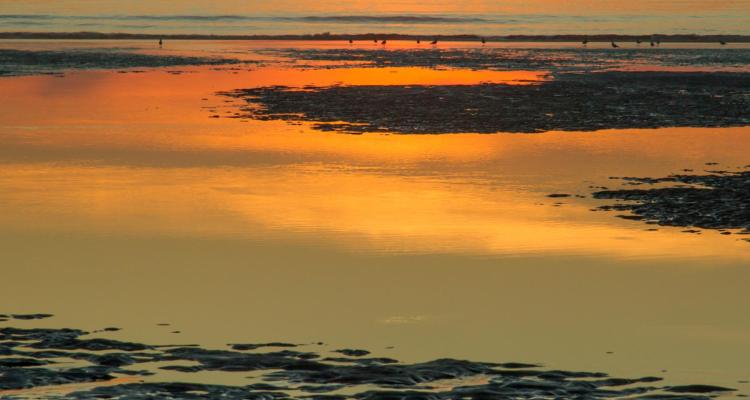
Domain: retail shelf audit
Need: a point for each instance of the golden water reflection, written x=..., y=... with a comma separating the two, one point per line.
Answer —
x=126, y=205
x=149, y=160
x=370, y=211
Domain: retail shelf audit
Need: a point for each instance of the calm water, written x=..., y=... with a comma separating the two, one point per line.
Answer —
x=391, y=16
x=125, y=205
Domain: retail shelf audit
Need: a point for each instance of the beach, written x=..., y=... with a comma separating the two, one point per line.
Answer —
x=489, y=202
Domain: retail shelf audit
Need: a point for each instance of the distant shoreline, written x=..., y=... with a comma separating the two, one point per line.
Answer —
x=681, y=38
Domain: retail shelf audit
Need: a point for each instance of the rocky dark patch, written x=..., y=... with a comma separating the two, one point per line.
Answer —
x=98, y=344
x=572, y=102
x=368, y=360
x=698, y=389
x=516, y=365
x=20, y=362
x=26, y=378
x=30, y=316
x=186, y=391
x=520, y=389
x=255, y=346
x=352, y=352
x=32, y=358
x=415, y=375
x=717, y=201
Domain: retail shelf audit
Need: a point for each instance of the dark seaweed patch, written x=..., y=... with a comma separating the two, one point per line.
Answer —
x=352, y=352
x=698, y=389
x=255, y=346
x=716, y=201
x=572, y=102
x=29, y=316
x=25, y=366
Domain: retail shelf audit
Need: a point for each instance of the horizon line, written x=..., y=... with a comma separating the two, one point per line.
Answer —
x=673, y=38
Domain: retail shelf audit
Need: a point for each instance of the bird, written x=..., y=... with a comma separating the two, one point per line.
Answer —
x=585, y=42
x=383, y=42
x=375, y=40
x=434, y=42
x=484, y=41
x=723, y=43
x=652, y=44
x=419, y=41
x=614, y=45
x=351, y=41
x=638, y=41
x=161, y=43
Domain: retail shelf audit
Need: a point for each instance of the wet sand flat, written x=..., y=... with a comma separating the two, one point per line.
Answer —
x=238, y=230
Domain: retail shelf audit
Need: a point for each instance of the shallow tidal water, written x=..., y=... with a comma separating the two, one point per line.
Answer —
x=125, y=204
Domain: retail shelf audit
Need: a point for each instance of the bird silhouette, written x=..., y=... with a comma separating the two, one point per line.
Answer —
x=484, y=41
x=614, y=45
x=638, y=41
x=585, y=42
x=434, y=42
x=419, y=41
x=351, y=41
x=383, y=42
x=723, y=43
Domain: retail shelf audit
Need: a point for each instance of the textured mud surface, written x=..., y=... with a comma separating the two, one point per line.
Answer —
x=717, y=201
x=32, y=358
x=571, y=102
x=504, y=59
x=24, y=62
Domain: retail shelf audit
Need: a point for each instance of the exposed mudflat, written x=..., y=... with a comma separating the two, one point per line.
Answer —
x=554, y=60
x=32, y=358
x=717, y=201
x=27, y=62
x=571, y=102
